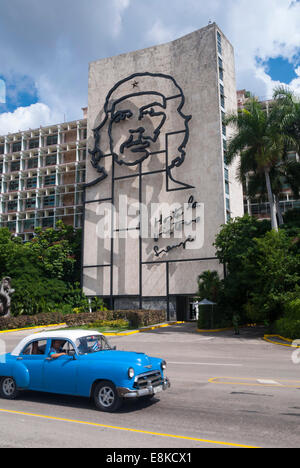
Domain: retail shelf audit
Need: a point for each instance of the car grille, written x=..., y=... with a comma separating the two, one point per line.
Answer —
x=153, y=378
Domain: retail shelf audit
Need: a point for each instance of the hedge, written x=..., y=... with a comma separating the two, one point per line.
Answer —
x=136, y=318
x=289, y=325
x=212, y=317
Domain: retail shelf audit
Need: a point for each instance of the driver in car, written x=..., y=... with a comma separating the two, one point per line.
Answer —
x=56, y=349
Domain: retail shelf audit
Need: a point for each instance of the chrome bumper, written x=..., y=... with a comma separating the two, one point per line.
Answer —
x=149, y=390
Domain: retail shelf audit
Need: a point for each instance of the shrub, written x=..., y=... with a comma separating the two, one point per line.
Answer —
x=135, y=318
x=212, y=317
x=120, y=323
x=289, y=325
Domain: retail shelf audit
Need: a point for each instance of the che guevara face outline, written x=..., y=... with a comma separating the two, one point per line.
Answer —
x=161, y=102
x=141, y=127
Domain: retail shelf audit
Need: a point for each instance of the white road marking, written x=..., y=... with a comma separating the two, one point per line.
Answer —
x=268, y=382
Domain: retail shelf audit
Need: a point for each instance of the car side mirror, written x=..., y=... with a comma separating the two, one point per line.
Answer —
x=72, y=353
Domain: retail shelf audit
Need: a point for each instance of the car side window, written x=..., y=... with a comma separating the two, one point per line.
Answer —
x=60, y=346
x=35, y=348
x=67, y=347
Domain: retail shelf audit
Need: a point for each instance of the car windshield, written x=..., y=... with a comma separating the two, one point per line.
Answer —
x=92, y=344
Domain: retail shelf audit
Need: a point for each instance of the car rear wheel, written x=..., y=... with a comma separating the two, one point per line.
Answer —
x=106, y=397
x=8, y=388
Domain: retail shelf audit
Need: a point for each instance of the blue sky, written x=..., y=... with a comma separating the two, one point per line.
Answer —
x=20, y=91
x=45, y=47
x=280, y=68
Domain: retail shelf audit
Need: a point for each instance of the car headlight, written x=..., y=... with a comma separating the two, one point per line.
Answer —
x=163, y=365
x=130, y=372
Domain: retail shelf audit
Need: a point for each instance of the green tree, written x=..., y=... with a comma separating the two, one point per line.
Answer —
x=233, y=243
x=288, y=110
x=273, y=263
x=259, y=143
x=209, y=286
x=43, y=271
x=58, y=251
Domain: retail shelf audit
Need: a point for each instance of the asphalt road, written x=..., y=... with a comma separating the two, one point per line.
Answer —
x=227, y=391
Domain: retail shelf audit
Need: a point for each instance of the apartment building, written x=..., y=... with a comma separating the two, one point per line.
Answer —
x=259, y=206
x=42, y=172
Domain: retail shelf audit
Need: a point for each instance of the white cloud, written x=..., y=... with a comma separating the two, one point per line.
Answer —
x=265, y=29
x=25, y=118
x=2, y=92
x=52, y=43
x=120, y=7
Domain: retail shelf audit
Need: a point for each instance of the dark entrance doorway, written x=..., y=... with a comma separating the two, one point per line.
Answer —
x=182, y=303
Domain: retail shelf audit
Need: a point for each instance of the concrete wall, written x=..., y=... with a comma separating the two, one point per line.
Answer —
x=193, y=62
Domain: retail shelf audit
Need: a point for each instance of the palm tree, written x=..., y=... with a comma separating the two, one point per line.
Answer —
x=288, y=109
x=258, y=143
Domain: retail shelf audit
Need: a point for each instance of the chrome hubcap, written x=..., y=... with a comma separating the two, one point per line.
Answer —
x=8, y=386
x=106, y=396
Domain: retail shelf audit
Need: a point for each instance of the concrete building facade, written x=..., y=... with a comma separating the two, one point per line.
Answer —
x=42, y=173
x=156, y=139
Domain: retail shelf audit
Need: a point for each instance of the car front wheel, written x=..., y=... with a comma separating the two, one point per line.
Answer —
x=8, y=388
x=106, y=397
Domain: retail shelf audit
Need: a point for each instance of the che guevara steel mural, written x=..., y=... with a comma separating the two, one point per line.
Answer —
x=137, y=144
x=142, y=117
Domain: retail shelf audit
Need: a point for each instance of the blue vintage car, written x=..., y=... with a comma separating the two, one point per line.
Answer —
x=80, y=362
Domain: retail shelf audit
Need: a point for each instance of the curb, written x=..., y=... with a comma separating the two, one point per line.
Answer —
x=199, y=330
x=268, y=339
x=215, y=330
x=32, y=328
x=144, y=329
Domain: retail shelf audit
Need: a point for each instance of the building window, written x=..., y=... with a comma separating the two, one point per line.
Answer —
x=49, y=180
x=1, y=149
x=222, y=98
x=33, y=163
x=16, y=147
x=11, y=225
x=226, y=187
x=51, y=160
x=29, y=224
x=31, y=183
x=219, y=42
x=30, y=203
x=12, y=205
x=49, y=201
x=34, y=143
x=52, y=140
x=13, y=185
x=15, y=166
x=227, y=204
x=48, y=222
x=226, y=174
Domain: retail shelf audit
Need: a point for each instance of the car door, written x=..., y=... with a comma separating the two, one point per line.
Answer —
x=33, y=357
x=60, y=374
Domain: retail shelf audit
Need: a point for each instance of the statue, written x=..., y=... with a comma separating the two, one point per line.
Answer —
x=5, y=297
